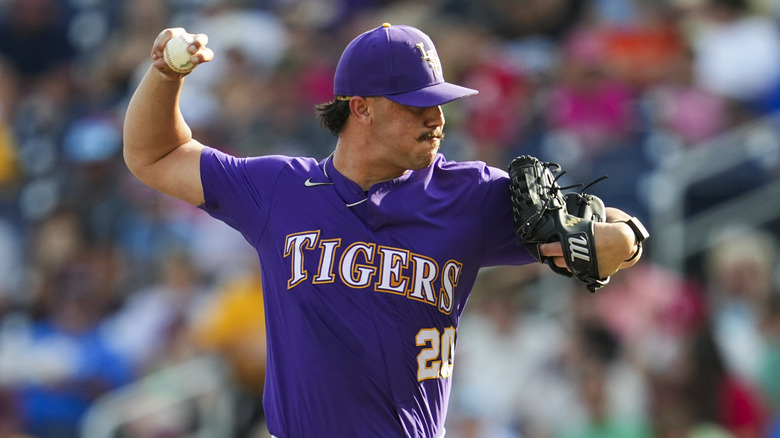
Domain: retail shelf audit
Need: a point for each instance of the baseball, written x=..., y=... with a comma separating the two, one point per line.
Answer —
x=176, y=55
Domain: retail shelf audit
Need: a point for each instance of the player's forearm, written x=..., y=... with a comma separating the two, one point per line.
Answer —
x=153, y=124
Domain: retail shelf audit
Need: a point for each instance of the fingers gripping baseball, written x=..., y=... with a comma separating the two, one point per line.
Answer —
x=176, y=52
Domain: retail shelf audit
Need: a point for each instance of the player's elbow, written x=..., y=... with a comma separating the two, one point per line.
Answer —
x=133, y=160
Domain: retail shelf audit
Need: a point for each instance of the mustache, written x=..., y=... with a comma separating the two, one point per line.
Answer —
x=435, y=134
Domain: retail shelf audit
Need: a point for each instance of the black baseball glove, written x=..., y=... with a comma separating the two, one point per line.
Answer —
x=543, y=214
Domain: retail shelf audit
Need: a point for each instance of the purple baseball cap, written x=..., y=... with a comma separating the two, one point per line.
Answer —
x=397, y=62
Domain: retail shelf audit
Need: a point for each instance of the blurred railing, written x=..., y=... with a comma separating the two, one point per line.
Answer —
x=678, y=234
x=194, y=396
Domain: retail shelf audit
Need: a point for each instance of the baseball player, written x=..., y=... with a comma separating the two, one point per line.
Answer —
x=368, y=256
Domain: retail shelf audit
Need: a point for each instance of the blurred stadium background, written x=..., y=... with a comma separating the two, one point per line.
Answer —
x=126, y=314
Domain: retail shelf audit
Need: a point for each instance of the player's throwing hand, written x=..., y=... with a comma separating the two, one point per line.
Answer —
x=197, y=50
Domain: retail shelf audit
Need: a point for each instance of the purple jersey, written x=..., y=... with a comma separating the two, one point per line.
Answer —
x=363, y=291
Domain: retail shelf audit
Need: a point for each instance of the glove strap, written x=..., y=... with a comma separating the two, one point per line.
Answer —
x=636, y=253
x=640, y=233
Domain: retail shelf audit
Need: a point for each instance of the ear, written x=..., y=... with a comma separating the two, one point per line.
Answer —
x=360, y=109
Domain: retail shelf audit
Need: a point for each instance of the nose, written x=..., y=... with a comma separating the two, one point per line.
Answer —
x=434, y=117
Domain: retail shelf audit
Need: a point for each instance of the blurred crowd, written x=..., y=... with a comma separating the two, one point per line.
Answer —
x=104, y=281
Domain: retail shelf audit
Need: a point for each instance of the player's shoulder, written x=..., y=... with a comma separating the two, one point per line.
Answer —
x=279, y=162
x=475, y=170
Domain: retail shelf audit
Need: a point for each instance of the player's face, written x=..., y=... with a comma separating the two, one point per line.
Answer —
x=408, y=136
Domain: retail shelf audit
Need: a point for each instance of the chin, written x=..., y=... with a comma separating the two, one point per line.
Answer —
x=428, y=160
x=425, y=157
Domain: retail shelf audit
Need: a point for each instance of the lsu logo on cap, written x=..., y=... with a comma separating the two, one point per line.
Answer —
x=433, y=59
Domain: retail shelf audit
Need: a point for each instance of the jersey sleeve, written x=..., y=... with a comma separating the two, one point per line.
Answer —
x=501, y=243
x=238, y=191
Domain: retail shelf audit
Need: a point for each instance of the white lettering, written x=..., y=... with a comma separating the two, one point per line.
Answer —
x=425, y=273
x=354, y=274
x=294, y=247
x=325, y=273
x=396, y=270
x=390, y=275
x=449, y=280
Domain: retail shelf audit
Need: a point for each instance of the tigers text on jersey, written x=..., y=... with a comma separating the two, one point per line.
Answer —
x=363, y=290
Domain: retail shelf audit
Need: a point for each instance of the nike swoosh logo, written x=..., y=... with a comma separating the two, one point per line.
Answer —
x=310, y=183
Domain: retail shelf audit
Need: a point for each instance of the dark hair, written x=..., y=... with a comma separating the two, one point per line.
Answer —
x=333, y=115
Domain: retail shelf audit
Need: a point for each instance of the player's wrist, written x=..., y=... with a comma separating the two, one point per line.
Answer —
x=166, y=75
x=640, y=234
